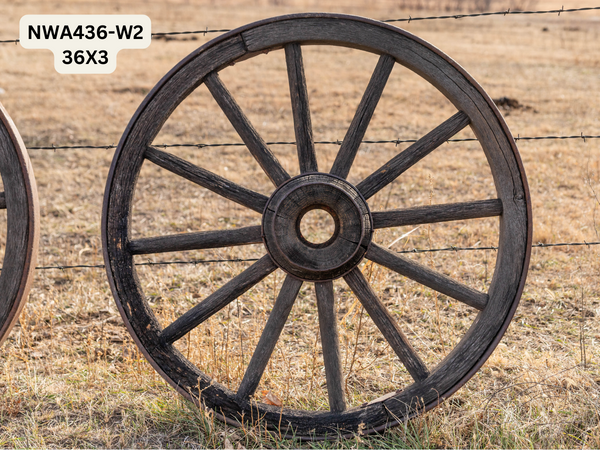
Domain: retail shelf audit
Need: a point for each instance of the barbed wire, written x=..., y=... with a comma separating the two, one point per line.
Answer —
x=238, y=260
x=338, y=142
x=175, y=33
x=148, y=263
x=506, y=12
x=538, y=245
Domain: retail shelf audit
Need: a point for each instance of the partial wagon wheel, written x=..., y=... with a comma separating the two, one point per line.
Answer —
x=20, y=204
x=351, y=242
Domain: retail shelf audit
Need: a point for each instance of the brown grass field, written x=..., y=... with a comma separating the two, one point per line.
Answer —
x=70, y=375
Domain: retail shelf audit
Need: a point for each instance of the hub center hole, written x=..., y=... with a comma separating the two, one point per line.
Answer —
x=317, y=226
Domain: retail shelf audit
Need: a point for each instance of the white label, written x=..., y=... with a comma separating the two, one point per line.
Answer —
x=85, y=43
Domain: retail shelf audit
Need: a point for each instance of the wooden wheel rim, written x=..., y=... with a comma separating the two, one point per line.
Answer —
x=439, y=70
x=22, y=234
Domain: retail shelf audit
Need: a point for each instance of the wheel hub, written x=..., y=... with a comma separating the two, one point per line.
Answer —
x=289, y=248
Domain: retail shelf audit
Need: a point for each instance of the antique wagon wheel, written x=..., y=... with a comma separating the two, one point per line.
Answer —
x=288, y=250
x=20, y=202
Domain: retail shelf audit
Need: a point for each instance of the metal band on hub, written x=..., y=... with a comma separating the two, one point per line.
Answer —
x=301, y=258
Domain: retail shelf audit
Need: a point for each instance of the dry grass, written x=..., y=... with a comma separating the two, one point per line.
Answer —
x=70, y=375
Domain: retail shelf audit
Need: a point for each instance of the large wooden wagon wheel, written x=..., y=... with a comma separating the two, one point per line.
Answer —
x=20, y=204
x=285, y=246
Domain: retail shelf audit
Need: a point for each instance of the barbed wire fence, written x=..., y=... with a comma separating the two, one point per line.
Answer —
x=506, y=12
x=399, y=141
x=196, y=262
x=167, y=36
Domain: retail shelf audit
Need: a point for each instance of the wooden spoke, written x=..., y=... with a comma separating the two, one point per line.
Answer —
x=270, y=335
x=244, y=128
x=196, y=241
x=207, y=179
x=427, y=277
x=330, y=343
x=364, y=113
x=2, y=200
x=437, y=213
x=219, y=299
x=387, y=325
x=300, y=109
x=412, y=155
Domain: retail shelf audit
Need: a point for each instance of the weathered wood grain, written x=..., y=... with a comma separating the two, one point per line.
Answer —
x=300, y=109
x=196, y=241
x=256, y=145
x=427, y=277
x=207, y=179
x=268, y=338
x=387, y=325
x=330, y=343
x=362, y=117
x=219, y=299
x=412, y=155
x=322, y=261
x=437, y=213
x=22, y=224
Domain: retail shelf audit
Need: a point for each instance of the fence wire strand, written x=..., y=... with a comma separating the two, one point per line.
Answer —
x=506, y=12
x=581, y=136
x=239, y=260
